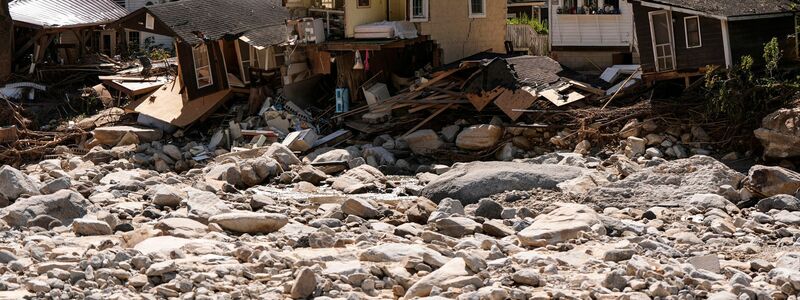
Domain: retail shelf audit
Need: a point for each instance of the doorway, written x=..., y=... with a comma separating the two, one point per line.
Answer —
x=663, y=43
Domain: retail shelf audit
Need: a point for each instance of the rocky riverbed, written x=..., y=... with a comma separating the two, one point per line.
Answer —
x=264, y=224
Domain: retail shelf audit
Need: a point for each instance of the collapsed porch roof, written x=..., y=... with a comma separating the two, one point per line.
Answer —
x=45, y=14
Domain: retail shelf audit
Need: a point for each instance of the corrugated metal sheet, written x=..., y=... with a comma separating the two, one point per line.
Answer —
x=65, y=13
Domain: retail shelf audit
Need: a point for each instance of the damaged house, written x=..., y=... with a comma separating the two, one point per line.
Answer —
x=681, y=37
x=223, y=47
x=590, y=35
x=62, y=32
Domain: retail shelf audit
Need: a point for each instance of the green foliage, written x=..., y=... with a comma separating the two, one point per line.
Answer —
x=538, y=26
x=159, y=54
x=772, y=56
x=744, y=95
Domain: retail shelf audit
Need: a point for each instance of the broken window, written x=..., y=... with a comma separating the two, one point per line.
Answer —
x=692, y=26
x=477, y=8
x=247, y=57
x=134, y=39
x=202, y=66
x=419, y=10
x=569, y=7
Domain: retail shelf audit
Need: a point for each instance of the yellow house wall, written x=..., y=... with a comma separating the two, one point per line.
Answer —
x=397, y=10
x=355, y=16
x=459, y=35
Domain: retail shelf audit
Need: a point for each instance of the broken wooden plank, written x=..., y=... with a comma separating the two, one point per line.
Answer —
x=480, y=101
x=586, y=87
x=433, y=115
x=512, y=101
x=435, y=80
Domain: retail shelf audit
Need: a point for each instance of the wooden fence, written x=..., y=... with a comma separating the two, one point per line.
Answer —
x=524, y=38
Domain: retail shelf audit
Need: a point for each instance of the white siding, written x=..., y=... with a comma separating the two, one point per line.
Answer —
x=164, y=41
x=592, y=30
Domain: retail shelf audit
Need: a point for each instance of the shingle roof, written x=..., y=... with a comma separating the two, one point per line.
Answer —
x=731, y=8
x=216, y=19
x=65, y=13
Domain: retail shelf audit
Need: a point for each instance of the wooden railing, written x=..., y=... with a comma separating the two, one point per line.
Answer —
x=524, y=38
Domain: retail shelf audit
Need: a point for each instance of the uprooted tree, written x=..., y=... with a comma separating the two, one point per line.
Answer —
x=6, y=41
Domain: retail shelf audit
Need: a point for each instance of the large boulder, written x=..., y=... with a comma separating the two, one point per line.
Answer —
x=669, y=184
x=780, y=133
x=770, y=181
x=453, y=274
x=165, y=195
x=112, y=135
x=423, y=141
x=472, y=181
x=88, y=227
x=229, y=172
x=64, y=206
x=563, y=224
x=14, y=183
x=283, y=155
x=360, y=179
x=335, y=155
x=479, y=137
x=250, y=222
x=201, y=205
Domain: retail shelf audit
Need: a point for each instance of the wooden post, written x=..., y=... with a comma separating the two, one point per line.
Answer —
x=6, y=41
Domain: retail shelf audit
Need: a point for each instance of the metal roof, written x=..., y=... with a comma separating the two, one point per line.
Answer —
x=65, y=13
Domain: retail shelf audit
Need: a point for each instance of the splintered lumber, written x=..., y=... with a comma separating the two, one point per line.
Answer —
x=433, y=115
x=435, y=79
x=510, y=102
x=480, y=101
x=586, y=87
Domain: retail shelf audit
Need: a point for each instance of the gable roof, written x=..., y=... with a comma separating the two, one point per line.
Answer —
x=730, y=8
x=65, y=13
x=215, y=19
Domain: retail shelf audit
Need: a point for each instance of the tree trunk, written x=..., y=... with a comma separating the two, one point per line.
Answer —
x=6, y=41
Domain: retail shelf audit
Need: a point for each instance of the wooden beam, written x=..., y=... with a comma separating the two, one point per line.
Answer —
x=586, y=87
x=27, y=45
x=433, y=115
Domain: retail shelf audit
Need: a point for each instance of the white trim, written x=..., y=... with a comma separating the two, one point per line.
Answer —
x=477, y=15
x=686, y=32
x=251, y=53
x=425, y=11
x=726, y=42
x=681, y=10
x=149, y=21
x=194, y=61
x=671, y=38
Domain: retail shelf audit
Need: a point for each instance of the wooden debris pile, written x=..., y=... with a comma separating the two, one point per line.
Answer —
x=512, y=85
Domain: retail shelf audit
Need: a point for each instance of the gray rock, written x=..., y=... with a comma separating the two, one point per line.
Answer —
x=360, y=207
x=778, y=133
x=779, y=202
x=457, y=226
x=202, y=205
x=165, y=195
x=471, y=182
x=6, y=256
x=161, y=268
x=14, y=183
x=564, y=223
x=526, y=277
x=770, y=181
x=446, y=208
x=56, y=185
x=305, y=284
x=617, y=255
x=489, y=209
x=668, y=184
x=88, y=227
x=358, y=180
x=615, y=280
x=64, y=206
x=172, y=151
x=283, y=155
x=311, y=174
x=250, y=222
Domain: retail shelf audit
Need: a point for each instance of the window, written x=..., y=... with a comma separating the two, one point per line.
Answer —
x=202, y=66
x=363, y=3
x=247, y=59
x=149, y=22
x=419, y=10
x=134, y=39
x=477, y=8
x=692, y=26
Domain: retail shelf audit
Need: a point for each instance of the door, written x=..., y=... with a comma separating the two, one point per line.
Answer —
x=663, y=43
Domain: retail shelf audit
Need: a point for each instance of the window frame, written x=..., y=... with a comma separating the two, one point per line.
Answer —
x=686, y=32
x=149, y=21
x=195, y=51
x=252, y=59
x=477, y=15
x=425, y=11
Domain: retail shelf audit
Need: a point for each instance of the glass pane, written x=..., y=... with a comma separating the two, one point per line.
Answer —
x=244, y=48
x=661, y=29
x=477, y=6
x=203, y=76
x=418, y=10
